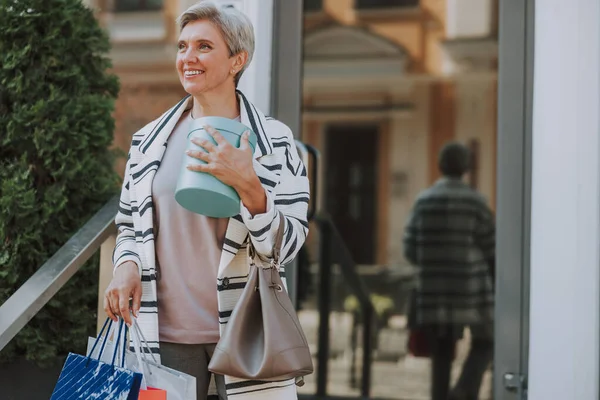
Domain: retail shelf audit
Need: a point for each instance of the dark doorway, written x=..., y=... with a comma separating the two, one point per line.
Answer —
x=351, y=186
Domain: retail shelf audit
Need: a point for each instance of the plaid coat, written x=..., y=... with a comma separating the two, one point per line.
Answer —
x=283, y=176
x=450, y=238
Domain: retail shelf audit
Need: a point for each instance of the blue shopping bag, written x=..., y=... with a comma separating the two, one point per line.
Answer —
x=86, y=378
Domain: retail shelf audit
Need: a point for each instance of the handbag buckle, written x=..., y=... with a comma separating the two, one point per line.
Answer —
x=276, y=286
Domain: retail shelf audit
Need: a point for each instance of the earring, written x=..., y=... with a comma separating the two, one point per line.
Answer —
x=233, y=72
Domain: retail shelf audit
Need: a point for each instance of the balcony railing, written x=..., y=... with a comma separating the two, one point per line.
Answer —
x=384, y=4
x=137, y=5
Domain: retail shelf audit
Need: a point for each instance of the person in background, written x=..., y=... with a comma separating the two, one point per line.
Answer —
x=450, y=238
x=185, y=272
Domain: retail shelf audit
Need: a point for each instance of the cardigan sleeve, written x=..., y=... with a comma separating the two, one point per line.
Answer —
x=291, y=197
x=125, y=248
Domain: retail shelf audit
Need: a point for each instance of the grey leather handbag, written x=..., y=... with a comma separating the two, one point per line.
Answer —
x=263, y=339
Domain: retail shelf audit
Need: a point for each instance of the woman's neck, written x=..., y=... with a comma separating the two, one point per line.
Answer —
x=216, y=105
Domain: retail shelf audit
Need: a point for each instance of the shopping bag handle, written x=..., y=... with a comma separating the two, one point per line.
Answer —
x=109, y=323
x=108, y=328
x=138, y=331
x=117, y=343
x=136, y=346
x=117, y=340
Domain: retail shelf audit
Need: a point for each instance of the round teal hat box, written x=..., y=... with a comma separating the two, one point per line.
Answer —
x=201, y=192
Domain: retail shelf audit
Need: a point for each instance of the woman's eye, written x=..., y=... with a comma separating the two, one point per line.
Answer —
x=205, y=47
x=180, y=46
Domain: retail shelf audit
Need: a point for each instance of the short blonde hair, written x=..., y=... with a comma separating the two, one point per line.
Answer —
x=235, y=26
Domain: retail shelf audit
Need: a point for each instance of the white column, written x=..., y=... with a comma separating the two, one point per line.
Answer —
x=256, y=81
x=565, y=238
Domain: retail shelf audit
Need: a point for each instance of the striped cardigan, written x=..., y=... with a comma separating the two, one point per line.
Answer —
x=282, y=175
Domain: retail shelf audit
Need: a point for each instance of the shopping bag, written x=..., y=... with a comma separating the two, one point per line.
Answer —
x=110, y=339
x=418, y=343
x=178, y=385
x=84, y=378
x=152, y=394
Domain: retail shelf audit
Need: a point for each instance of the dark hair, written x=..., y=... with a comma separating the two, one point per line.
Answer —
x=454, y=160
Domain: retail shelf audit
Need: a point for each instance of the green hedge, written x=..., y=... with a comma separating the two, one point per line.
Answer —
x=56, y=169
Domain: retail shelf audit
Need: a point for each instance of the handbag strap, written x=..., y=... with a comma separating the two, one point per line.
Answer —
x=276, y=246
x=279, y=239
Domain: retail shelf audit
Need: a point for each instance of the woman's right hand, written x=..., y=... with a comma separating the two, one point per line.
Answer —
x=126, y=284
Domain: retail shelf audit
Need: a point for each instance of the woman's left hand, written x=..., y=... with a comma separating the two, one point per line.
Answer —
x=232, y=166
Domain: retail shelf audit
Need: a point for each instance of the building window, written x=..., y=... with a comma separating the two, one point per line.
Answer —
x=380, y=4
x=313, y=5
x=138, y=5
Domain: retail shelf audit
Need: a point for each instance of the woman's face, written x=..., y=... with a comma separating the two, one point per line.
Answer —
x=203, y=61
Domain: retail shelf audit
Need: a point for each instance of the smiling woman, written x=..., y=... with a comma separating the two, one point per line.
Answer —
x=207, y=37
x=185, y=272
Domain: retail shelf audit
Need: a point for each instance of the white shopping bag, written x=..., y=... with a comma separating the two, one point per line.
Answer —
x=178, y=385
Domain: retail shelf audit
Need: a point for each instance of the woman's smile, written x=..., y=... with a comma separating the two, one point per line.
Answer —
x=192, y=73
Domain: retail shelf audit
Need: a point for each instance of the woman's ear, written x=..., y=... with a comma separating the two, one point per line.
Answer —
x=239, y=60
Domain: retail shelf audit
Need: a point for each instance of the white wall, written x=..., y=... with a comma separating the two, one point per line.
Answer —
x=468, y=18
x=565, y=241
x=138, y=26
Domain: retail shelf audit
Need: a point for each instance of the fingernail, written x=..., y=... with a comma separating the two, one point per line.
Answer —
x=246, y=134
x=188, y=152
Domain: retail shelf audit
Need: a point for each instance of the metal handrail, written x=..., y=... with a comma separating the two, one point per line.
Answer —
x=25, y=303
x=328, y=231
x=347, y=264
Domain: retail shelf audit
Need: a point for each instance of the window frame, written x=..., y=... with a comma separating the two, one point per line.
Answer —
x=142, y=6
